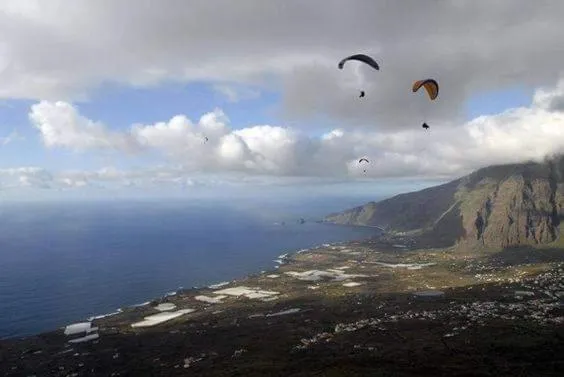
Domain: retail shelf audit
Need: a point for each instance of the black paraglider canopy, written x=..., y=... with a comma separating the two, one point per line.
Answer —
x=361, y=58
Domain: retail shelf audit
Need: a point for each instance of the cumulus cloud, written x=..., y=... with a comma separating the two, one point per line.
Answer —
x=525, y=133
x=61, y=125
x=64, y=49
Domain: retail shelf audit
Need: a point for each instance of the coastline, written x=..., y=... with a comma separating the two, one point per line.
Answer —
x=251, y=257
x=278, y=261
x=340, y=301
x=385, y=241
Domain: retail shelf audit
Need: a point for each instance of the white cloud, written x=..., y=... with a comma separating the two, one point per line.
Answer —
x=61, y=125
x=527, y=133
x=64, y=49
x=159, y=178
x=179, y=136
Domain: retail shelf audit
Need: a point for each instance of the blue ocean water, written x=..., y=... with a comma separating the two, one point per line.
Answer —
x=64, y=262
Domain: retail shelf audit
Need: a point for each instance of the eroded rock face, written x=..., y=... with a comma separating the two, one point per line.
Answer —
x=515, y=211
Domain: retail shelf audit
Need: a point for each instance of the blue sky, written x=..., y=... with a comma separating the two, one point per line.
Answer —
x=497, y=101
x=277, y=112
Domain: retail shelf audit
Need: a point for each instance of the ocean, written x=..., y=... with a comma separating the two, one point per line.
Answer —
x=64, y=262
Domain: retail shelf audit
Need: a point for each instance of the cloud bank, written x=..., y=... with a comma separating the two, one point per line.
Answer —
x=62, y=50
x=525, y=133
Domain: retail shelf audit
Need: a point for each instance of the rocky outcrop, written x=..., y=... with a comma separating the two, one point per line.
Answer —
x=498, y=206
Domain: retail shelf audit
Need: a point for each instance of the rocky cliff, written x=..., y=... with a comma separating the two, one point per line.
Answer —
x=497, y=206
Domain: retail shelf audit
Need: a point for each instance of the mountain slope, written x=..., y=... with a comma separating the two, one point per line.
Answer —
x=497, y=206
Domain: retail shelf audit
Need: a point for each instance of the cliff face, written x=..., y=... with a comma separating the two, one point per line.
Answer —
x=498, y=206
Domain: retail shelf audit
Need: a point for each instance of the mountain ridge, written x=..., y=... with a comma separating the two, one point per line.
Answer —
x=497, y=206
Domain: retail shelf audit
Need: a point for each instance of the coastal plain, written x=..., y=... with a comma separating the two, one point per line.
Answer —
x=379, y=307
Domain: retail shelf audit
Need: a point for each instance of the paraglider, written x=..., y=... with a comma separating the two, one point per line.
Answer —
x=361, y=58
x=430, y=85
x=365, y=160
x=205, y=139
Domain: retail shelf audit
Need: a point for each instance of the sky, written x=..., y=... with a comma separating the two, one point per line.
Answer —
x=190, y=98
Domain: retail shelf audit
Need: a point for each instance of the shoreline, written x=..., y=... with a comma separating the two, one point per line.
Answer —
x=278, y=261
x=382, y=238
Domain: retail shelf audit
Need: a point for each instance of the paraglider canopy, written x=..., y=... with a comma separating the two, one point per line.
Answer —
x=362, y=58
x=425, y=126
x=361, y=94
x=430, y=85
x=363, y=160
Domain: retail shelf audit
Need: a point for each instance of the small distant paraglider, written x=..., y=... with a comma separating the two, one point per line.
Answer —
x=425, y=126
x=206, y=139
x=361, y=58
x=363, y=160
